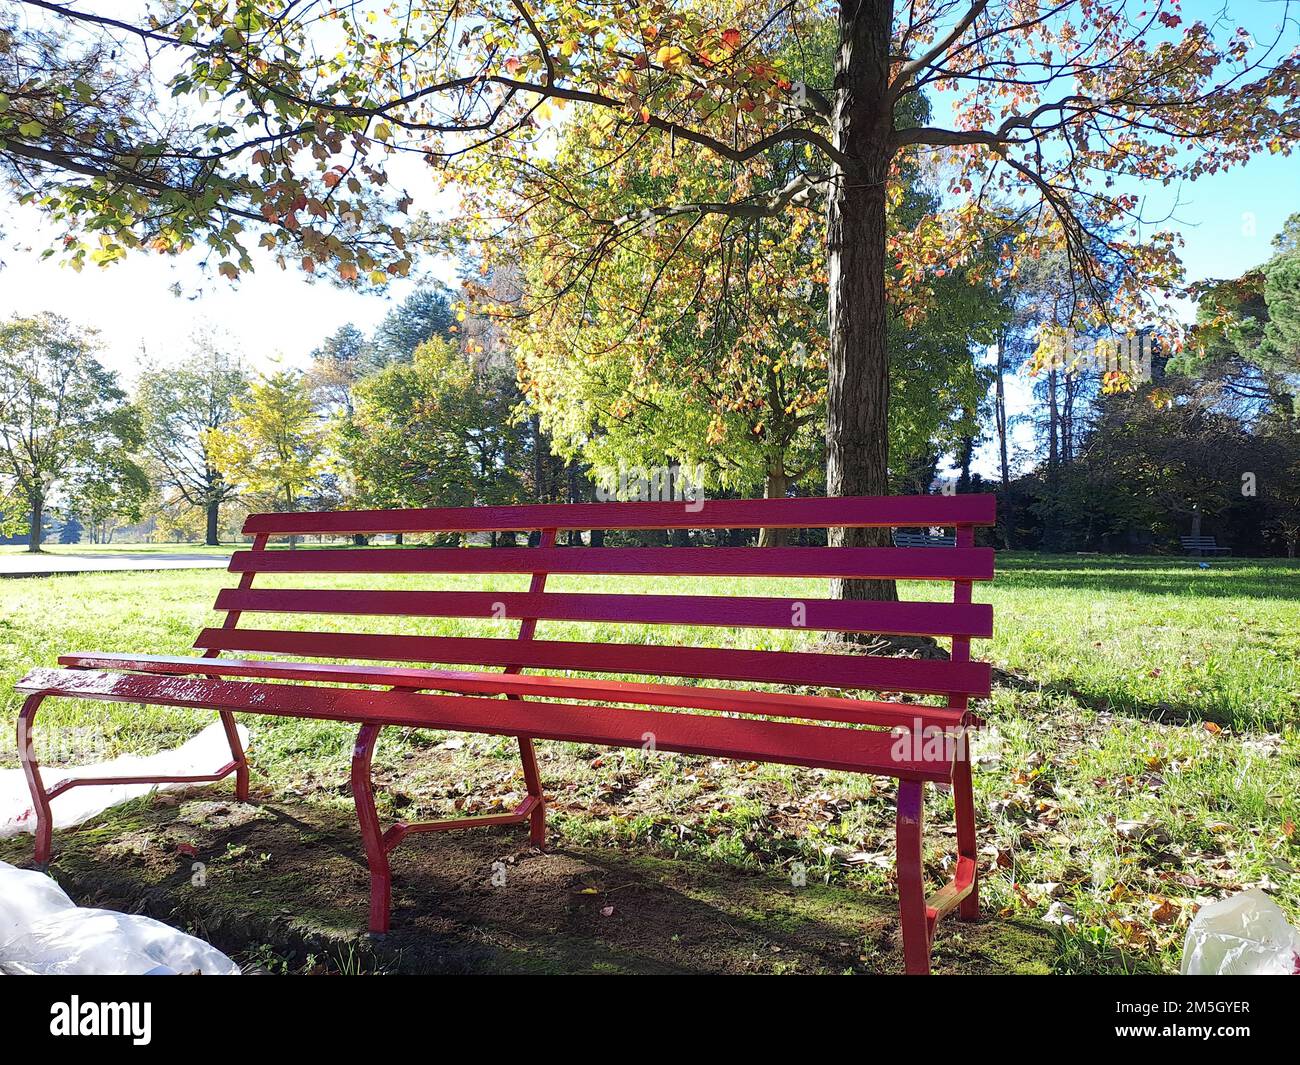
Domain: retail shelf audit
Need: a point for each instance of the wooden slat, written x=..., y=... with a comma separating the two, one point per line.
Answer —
x=726, y=700
x=821, y=669
x=810, y=513
x=883, y=562
x=833, y=615
x=852, y=750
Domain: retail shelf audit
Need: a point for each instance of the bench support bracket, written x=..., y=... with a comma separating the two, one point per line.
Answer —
x=918, y=915
x=380, y=842
x=44, y=827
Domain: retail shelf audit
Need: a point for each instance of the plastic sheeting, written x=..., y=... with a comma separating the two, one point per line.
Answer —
x=1243, y=935
x=43, y=933
x=201, y=754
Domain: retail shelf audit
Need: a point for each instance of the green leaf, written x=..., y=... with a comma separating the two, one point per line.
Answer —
x=31, y=129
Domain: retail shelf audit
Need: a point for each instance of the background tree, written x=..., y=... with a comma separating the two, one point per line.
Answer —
x=63, y=418
x=109, y=493
x=273, y=449
x=180, y=407
x=341, y=360
x=434, y=432
x=1247, y=332
x=71, y=529
x=424, y=315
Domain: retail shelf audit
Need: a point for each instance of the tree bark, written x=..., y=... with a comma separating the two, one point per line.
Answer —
x=775, y=487
x=967, y=457
x=211, y=537
x=1051, y=541
x=34, y=529
x=1000, y=413
x=857, y=400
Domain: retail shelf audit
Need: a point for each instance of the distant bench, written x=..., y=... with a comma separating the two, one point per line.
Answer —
x=1203, y=545
x=922, y=539
x=885, y=737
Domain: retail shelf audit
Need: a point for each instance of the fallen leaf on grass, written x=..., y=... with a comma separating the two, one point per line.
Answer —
x=1164, y=912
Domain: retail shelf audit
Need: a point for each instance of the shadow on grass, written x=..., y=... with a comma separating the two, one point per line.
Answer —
x=1116, y=700
x=1271, y=578
x=289, y=878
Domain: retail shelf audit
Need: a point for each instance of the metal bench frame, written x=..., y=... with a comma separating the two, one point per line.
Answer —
x=849, y=734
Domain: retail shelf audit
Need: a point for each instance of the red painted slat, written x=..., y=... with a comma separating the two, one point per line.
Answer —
x=823, y=746
x=832, y=615
x=811, y=513
x=898, y=563
x=728, y=700
x=922, y=676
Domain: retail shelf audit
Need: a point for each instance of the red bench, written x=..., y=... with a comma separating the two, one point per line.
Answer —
x=882, y=736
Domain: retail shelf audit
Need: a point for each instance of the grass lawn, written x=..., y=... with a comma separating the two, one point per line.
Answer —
x=1144, y=755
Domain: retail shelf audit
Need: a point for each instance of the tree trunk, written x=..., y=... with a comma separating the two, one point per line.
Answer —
x=539, y=460
x=211, y=537
x=1000, y=417
x=1000, y=413
x=1051, y=541
x=34, y=529
x=775, y=487
x=967, y=456
x=857, y=400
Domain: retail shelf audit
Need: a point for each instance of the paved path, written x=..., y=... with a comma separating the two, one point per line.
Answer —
x=25, y=565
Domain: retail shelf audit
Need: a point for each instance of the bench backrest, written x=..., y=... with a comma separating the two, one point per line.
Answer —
x=1198, y=541
x=958, y=618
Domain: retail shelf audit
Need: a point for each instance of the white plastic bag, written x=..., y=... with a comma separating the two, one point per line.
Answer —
x=198, y=755
x=1243, y=935
x=43, y=933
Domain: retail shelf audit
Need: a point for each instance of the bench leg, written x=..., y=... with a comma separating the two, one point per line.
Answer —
x=964, y=805
x=911, y=886
x=237, y=755
x=372, y=836
x=32, y=771
x=537, y=818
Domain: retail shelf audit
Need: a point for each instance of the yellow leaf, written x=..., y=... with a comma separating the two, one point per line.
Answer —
x=670, y=57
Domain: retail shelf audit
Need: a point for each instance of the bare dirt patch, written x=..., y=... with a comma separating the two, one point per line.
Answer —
x=289, y=880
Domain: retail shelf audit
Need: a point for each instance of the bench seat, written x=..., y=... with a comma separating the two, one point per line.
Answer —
x=860, y=750
x=688, y=696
